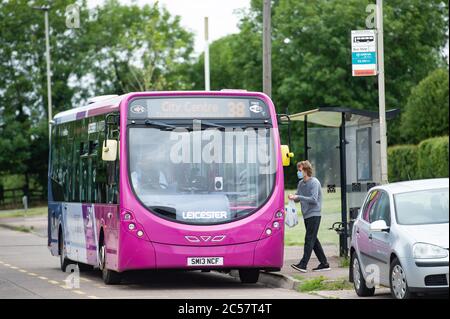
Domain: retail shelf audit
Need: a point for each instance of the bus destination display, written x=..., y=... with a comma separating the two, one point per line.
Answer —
x=198, y=108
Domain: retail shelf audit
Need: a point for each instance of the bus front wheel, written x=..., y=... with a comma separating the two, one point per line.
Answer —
x=249, y=276
x=110, y=277
x=63, y=260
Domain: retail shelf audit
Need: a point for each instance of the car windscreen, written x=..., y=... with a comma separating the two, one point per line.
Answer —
x=422, y=207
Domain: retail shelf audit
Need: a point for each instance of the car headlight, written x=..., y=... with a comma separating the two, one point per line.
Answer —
x=428, y=251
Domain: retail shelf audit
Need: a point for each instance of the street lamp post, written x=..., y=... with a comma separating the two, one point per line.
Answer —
x=381, y=92
x=267, y=48
x=207, y=72
x=49, y=75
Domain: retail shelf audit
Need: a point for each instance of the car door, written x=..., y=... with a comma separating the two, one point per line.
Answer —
x=380, y=242
x=362, y=230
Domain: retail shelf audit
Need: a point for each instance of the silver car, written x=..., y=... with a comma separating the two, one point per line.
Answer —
x=400, y=239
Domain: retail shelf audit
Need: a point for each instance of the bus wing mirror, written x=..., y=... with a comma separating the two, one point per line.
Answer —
x=286, y=155
x=109, y=150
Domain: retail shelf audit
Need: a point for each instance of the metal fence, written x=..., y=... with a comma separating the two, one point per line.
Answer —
x=12, y=198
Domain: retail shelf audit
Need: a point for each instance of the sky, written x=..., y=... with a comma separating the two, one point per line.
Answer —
x=222, y=20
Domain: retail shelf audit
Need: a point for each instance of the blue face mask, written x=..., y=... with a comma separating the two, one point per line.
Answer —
x=299, y=174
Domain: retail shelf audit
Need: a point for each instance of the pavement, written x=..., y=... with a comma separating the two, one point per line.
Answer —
x=27, y=270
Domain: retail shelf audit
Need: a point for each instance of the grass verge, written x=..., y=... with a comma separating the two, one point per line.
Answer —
x=331, y=208
x=323, y=283
x=20, y=228
x=35, y=211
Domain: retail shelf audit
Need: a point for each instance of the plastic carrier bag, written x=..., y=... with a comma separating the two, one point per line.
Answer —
x=291, y=214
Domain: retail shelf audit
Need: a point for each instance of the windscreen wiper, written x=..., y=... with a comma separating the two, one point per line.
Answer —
x=160, y=124
x=206, y=123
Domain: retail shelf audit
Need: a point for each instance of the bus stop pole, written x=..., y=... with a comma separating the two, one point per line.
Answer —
x=343, y=247
x=381, y=93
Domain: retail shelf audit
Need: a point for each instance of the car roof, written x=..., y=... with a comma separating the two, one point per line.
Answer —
x=417, y=185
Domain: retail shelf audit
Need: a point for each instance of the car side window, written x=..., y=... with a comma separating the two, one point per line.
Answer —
x=370, y=203
x=381, y=210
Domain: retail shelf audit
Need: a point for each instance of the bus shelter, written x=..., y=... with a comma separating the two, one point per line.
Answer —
x=343, y=146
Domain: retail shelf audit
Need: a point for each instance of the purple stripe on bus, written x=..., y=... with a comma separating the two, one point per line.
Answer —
x=111, y=251
x=81, y=115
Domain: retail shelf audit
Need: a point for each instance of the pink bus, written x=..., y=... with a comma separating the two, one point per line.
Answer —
x=168, y=180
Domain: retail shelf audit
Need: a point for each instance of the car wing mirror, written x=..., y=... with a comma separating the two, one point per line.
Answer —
x=379, y=226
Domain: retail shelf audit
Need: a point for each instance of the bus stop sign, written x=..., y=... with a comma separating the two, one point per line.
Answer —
x=364, y=53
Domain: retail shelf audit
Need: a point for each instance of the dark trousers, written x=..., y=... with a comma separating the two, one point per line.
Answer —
x=312, y=242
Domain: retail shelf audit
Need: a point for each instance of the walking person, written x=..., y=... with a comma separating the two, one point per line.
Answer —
x=309, y=194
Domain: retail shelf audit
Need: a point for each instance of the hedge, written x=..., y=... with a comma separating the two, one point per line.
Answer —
x=402, y=163
x=432, y=159
x=429, y=159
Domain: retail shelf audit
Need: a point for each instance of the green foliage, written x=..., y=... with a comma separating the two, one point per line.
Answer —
x=432, y=159
x=402, y=163
x=311, y=57
x=429, y=159
x=119, y=49
x=426, y=113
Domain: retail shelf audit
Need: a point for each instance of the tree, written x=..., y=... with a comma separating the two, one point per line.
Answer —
x=312, y=52
x=426, y=113
x=132, y=48
x=311, y=55
x=119, y=49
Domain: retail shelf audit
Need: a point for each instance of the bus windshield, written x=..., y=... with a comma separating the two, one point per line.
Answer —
x=209, y=175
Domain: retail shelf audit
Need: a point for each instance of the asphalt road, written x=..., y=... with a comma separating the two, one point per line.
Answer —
x=27, y=270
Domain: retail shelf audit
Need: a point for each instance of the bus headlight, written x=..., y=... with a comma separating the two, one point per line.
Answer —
x=268, y=231
x=127, y=216
x=279, y=214
x=140, y=233
x=131, y=226
x=276, y=224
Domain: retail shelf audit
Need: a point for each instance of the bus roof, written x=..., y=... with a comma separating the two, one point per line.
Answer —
x=97, y=108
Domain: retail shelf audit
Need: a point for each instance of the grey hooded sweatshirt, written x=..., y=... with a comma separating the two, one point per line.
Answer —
x=310, y=197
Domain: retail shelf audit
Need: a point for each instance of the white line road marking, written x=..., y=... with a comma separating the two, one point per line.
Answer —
x=54, y=282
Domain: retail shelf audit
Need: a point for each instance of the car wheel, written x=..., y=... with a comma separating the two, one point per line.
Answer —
x=359, y=283
x=397, y=278
x=249, y=276
x=110, y=277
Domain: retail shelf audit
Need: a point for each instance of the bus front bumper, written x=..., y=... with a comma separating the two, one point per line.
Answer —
x=266, y=253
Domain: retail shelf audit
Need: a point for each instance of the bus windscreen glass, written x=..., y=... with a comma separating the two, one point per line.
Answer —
x=209, y=176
